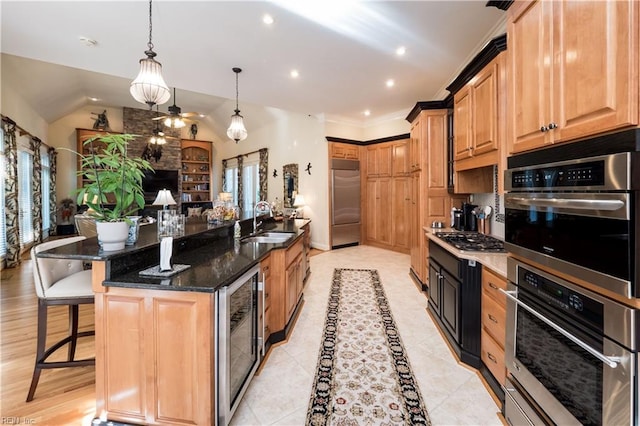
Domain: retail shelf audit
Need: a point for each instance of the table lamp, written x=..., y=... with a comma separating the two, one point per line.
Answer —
x=164, y=199
x=298, y=202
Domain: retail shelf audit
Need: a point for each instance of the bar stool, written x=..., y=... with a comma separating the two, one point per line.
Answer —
x=59, y=282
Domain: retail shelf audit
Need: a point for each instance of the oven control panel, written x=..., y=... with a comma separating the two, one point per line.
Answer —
x=560, y=298
x=560, y=176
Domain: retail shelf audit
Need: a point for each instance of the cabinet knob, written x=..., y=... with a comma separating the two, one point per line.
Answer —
x=544, y=129
x=553, y=126
x=492, y=318
x=492, y=357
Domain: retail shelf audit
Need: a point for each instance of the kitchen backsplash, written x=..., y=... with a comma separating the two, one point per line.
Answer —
x=496, y=202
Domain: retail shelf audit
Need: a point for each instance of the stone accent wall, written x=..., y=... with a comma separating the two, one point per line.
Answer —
x=139, y=122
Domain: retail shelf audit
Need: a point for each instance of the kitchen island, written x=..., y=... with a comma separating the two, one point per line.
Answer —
x=155, y=337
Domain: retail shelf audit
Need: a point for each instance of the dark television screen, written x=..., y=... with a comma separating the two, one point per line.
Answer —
x=157, y=180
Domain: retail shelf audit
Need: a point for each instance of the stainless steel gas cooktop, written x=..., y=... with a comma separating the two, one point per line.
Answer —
x=472, y=241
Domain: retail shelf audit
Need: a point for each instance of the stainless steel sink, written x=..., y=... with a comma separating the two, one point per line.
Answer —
x=269, y=237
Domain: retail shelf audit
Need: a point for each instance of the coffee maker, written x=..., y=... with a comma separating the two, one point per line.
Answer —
x=469, y=217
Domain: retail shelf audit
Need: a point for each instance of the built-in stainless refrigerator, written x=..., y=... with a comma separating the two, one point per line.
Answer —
x=345, y=203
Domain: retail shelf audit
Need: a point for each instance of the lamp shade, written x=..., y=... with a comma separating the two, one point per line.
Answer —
x=149, y=86
x=164, y=198
x=236, y=130
x=298, y=201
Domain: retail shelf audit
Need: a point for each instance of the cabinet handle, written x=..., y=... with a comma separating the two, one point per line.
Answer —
x=492, y=357
x=493, y=286
x=553, y=126
x=492, y=318
x=544, y=128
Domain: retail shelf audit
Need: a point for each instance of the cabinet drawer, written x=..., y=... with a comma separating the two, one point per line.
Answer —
x=293, y=252
x=491, y=282
x=493, y=318
x=493, y=357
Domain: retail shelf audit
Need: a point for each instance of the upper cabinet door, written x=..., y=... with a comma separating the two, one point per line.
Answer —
x=529, y=82
x=573, y=70
x=596, y=67
x=485, y=111
x=462, y=131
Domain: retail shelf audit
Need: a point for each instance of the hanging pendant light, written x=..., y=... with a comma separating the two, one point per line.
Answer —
x=236, y=130
x=149, y=86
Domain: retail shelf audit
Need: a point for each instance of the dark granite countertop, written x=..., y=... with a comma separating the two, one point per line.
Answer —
x=216, y=259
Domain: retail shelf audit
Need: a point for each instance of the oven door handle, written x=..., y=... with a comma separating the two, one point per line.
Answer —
x=578, y=204
x=610, y=361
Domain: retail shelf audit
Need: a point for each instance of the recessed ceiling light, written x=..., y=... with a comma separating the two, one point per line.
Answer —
x=294, y=74
x=267, y=19
x=87, y=41
x=367, y=112
x=91, y=98
x=390, y=83
x=400, y=51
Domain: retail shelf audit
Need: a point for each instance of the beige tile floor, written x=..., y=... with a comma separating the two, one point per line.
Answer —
x=453, y=394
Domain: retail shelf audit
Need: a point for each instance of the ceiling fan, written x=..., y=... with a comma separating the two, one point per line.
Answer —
x=155, y=142
x=177, y=119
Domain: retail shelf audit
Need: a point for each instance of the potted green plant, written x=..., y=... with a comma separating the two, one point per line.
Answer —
x=112, y=186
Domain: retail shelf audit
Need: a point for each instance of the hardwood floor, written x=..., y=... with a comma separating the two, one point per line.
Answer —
x=64, y=396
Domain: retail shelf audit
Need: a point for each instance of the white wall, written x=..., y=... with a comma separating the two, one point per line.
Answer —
x=14, y=107
x=291, y=138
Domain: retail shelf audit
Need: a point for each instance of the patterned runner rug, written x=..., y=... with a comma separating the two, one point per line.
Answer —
x=363, y=376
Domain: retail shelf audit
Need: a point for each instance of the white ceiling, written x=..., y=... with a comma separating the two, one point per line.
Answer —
x=344, y=57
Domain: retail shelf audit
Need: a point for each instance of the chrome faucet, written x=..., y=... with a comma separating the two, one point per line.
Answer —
x=260, y=204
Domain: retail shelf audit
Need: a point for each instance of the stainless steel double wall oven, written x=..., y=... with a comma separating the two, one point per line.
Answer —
x=572, y=228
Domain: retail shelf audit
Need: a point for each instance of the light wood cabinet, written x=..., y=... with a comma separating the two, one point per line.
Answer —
x=388, y=196
x=493, y=324
x=306, y=252
x=478, y=115
x=400, y=158
x=294, y=277
x=265, y=270
x=379, y=160
x=142, y=336
x=401, y=212
x=286, y=289
x=462, y=130
x=415, y=146
x=344, y=150
x=196, y=170
x=379, y=219
x=430, y=199
x=573, y=70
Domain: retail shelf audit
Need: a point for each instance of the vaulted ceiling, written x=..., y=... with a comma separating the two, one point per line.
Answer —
x=344, y=52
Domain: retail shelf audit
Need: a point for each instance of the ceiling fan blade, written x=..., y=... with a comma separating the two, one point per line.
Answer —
x=190, y=114
x=162, y=117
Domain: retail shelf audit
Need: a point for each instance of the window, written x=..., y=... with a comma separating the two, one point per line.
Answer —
x=46, y=183
x=231, y=180
x=250, y=181
x=3, y=170
x=25, y=199
x=250, y=185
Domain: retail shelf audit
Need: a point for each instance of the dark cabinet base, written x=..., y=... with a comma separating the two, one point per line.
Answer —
x=455, y=301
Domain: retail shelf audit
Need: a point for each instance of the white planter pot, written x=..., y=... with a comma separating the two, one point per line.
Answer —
x=112, y=235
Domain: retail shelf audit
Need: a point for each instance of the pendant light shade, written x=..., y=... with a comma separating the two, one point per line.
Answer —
x=236, y=130
x=149, y=86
